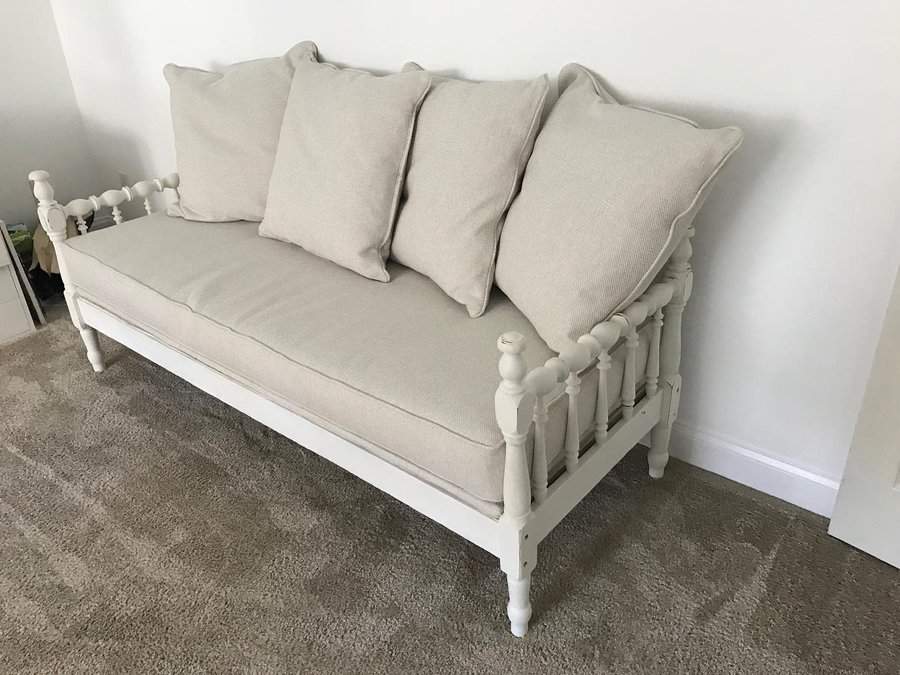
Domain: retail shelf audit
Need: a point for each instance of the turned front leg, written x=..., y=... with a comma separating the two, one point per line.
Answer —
x=519, y=608
x=514, y=407
x=92, y=345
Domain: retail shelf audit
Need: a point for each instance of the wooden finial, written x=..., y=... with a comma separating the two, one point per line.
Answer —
x=50, y=213
x=512, y=366
x=43, y=191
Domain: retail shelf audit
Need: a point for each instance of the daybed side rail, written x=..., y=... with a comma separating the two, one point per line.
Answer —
x=54, y=218
x=81, y=208
x=523, y=395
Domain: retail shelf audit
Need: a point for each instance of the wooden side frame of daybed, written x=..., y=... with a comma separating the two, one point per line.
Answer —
x=533, y=505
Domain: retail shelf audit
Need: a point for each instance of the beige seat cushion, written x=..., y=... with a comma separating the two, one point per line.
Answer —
x=607, y=194
x=395, y=368
x=340, y=163
x=226, y=132
x=471, y=144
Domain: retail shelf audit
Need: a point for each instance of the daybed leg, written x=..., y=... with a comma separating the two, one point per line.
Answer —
x=514, y=406
x=658, y=456
x=95, y=356
x=519, y=608
x=678, y=269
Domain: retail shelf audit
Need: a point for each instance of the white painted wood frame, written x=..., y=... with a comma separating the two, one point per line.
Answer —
x=533, y=504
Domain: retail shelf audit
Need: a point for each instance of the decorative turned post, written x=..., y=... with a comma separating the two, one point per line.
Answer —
x=573, y=431
x=52, y=217
x=80, y=208
x=652, y=385
x=606, y=334
x=629, y=376
x=680, y=276
x=113, y=198
x=576, y=357
x=540, y=382
x=143, y=190
x=514, y=406
x=635, y=314
x=539, y=458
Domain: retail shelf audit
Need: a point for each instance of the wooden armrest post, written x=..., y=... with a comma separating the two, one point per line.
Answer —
x=52, y=217
x=514, y=407
x=680, y=276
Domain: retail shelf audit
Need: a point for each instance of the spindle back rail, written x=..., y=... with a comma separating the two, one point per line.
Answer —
x=80, y=209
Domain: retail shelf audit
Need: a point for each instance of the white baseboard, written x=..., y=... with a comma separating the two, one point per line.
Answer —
x=755, y=469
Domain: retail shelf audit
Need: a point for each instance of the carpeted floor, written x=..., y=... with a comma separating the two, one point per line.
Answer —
x=144, y=526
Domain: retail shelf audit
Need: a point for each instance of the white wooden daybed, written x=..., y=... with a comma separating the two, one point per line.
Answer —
x=357, y=393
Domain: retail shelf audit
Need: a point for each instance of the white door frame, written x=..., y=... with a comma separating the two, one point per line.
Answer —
x=867, y=512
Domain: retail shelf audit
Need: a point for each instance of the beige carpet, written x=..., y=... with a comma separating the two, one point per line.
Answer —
x=145, y=527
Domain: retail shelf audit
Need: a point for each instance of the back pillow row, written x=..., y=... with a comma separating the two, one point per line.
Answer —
x=330, y=159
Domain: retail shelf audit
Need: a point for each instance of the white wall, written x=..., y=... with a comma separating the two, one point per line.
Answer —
x=40, y=126
x=795, y=250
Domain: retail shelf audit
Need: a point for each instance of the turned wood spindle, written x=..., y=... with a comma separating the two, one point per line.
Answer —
x=629, y=378
x=635, y=314
x=652, y=385
x=606, y=334
x=113, y=198
x=143, y=190
x=576, y=357
x=680, y=277
x=539, y=458
x=80, y=209
x=541, y=382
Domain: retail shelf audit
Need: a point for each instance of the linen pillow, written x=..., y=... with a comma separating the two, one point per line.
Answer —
x=340, y=163
x=607, y=194
x=471, y=144
x=226, y=131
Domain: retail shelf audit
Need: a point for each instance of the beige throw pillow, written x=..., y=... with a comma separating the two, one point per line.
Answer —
x=607, y=194
x=226, y=132
x=340, y=164
x=471, y=144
